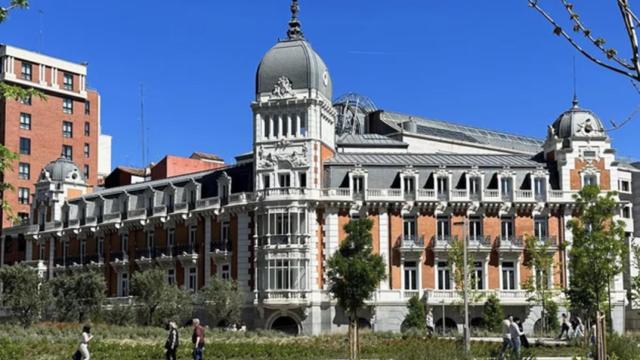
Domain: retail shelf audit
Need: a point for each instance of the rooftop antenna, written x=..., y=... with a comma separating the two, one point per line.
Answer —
x=41, y=33
x=575, y=86
x=144, y=160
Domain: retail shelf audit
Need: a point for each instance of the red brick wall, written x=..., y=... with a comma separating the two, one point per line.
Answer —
x=174, y=166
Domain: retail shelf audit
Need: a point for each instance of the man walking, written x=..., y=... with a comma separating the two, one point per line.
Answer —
x=198, y=340
x=506, y=336
x=515, y=337
x=564, y=330
x=171, y=345
x=430, y=324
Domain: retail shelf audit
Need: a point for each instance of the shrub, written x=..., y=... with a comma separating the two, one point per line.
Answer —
x=76, y=295
x=158, y=301
x=415, y=318
x=120, y=315
x=493, y=313
x=21, y=293
x=222, y=301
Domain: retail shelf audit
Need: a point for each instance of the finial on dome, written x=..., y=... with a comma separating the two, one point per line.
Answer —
x=295, y=29
x=575, y=101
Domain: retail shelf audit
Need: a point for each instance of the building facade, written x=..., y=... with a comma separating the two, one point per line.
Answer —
x=273, y=219
x=67, y=122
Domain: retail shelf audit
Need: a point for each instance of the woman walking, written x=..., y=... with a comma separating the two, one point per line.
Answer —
x=171, y=345
x=83, y=348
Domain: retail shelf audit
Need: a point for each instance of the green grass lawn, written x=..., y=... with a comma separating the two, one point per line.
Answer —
x=53, y=341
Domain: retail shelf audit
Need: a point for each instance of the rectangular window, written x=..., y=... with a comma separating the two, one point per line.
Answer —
x=192, y=236
x=23, y=218
x=124, y=243
x=474, y=186
x=506, y=187
x=285, y=180
x=626, y=212
x=26, y=71
x=67, y=129
x=67, y=152
x=25, y=100
x=150, y=239
x=508, y=276
x=507, y=229
x=25, y=146
x=225, y=273
x=85, y=172
x=410, y=276
x=444, y=276
x=67, y=106
x=539, y=187
x=23, y=196
x=541, y=228
x=41, y=251
x=68, y=81
x=475, y=229
x=443, y=186
x=124, y=284
x=171, y=238
x=171, y=276
x=266, y=121
x=625, y=186
x=443, y=228
x=24, y=171
x=303, y=179
x=303, y=125
x=101, y=247
x=589, y=179
x=477, y=280
x=86, y=150
x=409, y=185
x=83, y=250
x=193, y=279
x=87, y=107
x=25, y=121
x=87, y=129
x=358, y=184
x=409, y=229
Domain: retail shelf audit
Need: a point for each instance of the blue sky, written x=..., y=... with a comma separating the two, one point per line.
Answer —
x=492, y=64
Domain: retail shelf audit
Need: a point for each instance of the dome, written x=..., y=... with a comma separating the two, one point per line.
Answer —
x=61, y=169
x=292, y=64
x=578, y=122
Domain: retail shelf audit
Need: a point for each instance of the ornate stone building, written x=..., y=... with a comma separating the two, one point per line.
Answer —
x=271, y=220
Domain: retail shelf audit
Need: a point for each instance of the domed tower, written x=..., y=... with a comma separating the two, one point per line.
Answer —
x=578, y=143
x=59, y=180
x=294, y=120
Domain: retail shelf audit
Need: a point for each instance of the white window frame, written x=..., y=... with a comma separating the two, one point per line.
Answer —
x=504, y=281
x=443, y=276
x=410, y=276
x=123, y=284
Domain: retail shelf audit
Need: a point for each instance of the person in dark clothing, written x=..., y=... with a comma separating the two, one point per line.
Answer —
x=564, y=330
x=173, y=341
x=523, y=338
x=198, y=340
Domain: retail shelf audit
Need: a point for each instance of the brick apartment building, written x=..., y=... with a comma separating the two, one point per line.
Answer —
x=65, y=124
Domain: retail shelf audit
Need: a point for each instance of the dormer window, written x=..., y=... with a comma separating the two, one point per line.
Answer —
x=589, y=179
x=357, y=186
x=539, y=188
x=409, y=185
x=442, y=187
x=475, y=187
x=506, y=184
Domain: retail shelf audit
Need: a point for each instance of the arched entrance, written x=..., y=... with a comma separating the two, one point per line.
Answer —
x=450, y=326
x=286, y=324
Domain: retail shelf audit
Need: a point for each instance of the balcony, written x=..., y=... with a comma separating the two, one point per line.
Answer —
x=426, y=195
x=442, y=243
x=491, y=196
x=511, y=244
x=459, y=195
x=384, y=194
x=341, y=194
x=480, y=243
x=408, y=294
x=180, y=208
x=53, y=226
x=524, y=196
x=112, y=218
x=165, y=257
x=282, y=296
x=144, y=257
x=443, y=195
x=507, y=196
x=136, y=214
x=221, y=252
x=241, y=198
x=94, y=261
x=187, y=255
x=454, y=297
x=411, y=248
x=208, y=203
x=119, y=261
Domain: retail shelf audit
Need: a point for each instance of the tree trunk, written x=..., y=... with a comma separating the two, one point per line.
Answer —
x=353, y=338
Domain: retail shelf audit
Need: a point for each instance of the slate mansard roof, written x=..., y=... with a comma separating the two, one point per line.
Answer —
x=455, y=132
x=436, y=160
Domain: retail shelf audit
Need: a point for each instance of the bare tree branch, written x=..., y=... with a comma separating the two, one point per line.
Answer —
x=631, y=13
x=623, y=5
x=560, y=32
x=597, y=42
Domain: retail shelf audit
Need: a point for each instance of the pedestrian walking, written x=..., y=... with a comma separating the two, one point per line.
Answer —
x=578, y=333
x=506, y=336
x=515, y=333
x=173, y=341
x=564, y=330
x=430, y=325
x=524, y=341
x=198, y=340
x=83, y=348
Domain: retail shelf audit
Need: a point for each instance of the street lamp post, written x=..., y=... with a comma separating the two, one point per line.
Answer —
x=465, y=285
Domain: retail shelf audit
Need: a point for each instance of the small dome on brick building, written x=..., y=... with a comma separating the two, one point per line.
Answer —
x=578, y=122
x=63, y=170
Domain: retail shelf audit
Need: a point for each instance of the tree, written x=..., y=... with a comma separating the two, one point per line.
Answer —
x=539, y=260
x=77, y=294
x=222, y=301
x=415, y=318
x=22, y=292
x=13, y=4
x=354, y=273
x=597, y=250
x=635, y=280
x=159, y=300
x=493, y=313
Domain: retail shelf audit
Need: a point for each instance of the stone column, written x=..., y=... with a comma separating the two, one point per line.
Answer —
x=243, y=254
x=52, y=245
x=384, y=246
x=207, y=248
